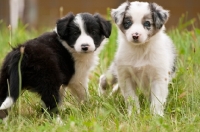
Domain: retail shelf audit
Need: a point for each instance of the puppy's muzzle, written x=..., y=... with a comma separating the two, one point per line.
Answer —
x=135, y=36
x=85, y=47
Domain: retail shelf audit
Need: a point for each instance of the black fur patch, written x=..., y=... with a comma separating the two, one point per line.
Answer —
x=46, y=65
x=159, y=15
x=105, y=26
x=62, y=25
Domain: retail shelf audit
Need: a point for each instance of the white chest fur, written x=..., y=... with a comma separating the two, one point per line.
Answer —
x=84, y=63
x=78, y=84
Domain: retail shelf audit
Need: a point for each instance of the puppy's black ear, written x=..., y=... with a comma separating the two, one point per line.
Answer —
x=62, y=23
x=105, y=25
x=159, y=15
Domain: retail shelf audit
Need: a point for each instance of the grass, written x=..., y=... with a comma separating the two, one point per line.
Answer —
x=109, y=114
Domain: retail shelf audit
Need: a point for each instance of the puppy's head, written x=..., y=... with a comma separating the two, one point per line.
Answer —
x=139, y=21
x=83, y=32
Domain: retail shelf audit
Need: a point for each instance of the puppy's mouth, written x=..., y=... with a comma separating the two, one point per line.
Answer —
x=137, y=42
x=85, y=52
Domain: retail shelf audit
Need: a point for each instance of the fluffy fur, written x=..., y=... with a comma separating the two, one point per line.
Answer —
x=145, y=58
x=62, y=57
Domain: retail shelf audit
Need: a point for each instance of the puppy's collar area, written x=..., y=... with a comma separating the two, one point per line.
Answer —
x=65, y=45
x=55, y=30
x=63, y=42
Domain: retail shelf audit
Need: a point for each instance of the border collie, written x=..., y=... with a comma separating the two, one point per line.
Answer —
x=62, y=57
x=145, y=58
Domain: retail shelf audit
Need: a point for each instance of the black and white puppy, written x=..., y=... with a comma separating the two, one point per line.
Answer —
x=145, y=57
x=62, y=57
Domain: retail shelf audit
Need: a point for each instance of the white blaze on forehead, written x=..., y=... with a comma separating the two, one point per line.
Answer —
x=84, y=38
x=138, y=10
x=80, y=23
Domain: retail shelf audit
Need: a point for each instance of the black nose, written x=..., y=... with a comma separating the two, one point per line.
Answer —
x=135, y=36
x=84, y=47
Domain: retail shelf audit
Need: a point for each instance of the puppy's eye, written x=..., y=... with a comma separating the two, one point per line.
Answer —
x=127, y=23
x=76, y=33
x=94, y=32
x=147, y=24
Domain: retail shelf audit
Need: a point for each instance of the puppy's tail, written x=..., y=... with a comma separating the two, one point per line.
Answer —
x=9, y=80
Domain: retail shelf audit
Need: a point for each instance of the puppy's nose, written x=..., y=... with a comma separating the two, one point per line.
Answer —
x=135, y=36
x=84, y=47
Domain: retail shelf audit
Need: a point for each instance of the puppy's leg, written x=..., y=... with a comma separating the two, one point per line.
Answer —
x=79, y=90
x=129, y=92
x=103, y=85
x=115, y=89
x=108, y=79
x=50, y=95
x=159, y=92
x=62, y=92
x=51, y=100
x=128, y=89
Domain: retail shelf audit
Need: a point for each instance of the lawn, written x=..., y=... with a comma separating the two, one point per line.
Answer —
x=109, y=114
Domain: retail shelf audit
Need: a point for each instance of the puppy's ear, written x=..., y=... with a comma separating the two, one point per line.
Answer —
x=62, y=23
x=105, y=25
x=118, y=14
x=159, y=15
